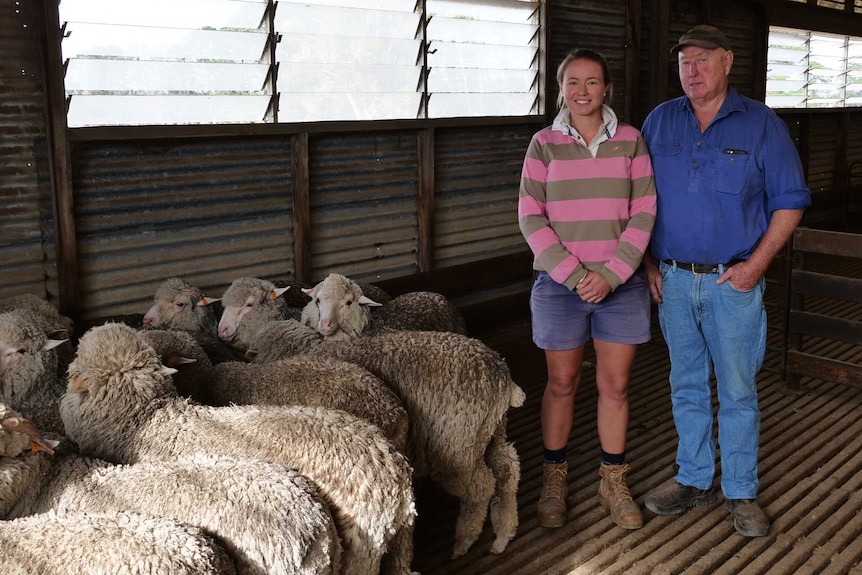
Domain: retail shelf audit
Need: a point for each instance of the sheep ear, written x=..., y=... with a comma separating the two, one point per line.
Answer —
x=278, y=291
x=204, y=301
x=52, y=343
x=174, y=360
x=168, y=370
x=309, y=291
x=368, y=301
x=251, y=354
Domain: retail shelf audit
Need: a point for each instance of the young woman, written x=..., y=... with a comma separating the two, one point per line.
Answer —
x=586, y=208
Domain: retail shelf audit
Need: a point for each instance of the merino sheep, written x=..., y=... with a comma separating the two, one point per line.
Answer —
x=248, y=304
x=18, y=435
x=340, y=310
x=30, y=378
x=179, y=305
x=41, y=306
x=317, y=382
x=457, y=392
x=121, y=406
x=98, y=544
x=268, y=517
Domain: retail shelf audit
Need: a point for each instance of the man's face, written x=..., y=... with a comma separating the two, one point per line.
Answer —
x=704, y=73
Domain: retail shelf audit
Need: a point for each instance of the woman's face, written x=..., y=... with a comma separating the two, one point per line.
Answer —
x=584, y=88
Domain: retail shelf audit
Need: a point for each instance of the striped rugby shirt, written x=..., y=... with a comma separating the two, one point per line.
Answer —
x=587, y=208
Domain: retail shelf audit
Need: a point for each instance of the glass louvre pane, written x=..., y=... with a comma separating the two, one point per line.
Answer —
x=347, y=78
x=192, y=14
x=465, y=80
x=797, y=101
x=518, y=11
x=786, y=72
x=123, y=76
x=372, y=51
x=454, y=55
x=456, y=105
x=834, y=4
x=144, y=110
x=457, y=30
x=311, y=20
x=130, y=42
x=346, y=107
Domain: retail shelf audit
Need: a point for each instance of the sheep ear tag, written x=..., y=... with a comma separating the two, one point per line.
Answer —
x=278, y=291
x=369, y=302
x=204, y=301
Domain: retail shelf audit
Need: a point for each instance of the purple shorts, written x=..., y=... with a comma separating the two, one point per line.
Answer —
x=562, y=320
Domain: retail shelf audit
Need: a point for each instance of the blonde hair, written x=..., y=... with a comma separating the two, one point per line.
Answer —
x=584, y=54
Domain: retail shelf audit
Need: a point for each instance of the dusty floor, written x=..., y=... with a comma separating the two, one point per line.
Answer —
x=810, y=472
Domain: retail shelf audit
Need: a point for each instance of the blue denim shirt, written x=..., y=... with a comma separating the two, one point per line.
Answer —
x=717, y=190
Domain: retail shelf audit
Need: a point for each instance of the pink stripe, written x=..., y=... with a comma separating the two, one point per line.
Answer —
x=591, y=168
x=542, y=239
x=644, y=204
x=626, y=132
x=637, y=238
x=641, y=167
x=563, y=270
x=534, y=170
x=594, y=251
x=553, y=137
x=619, y=268
x=529, y=206
x=588, y=210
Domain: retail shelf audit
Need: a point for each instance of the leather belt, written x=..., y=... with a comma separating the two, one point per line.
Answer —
x=701, y=268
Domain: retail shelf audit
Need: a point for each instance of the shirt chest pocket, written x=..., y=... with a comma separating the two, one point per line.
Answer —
x=733, y=171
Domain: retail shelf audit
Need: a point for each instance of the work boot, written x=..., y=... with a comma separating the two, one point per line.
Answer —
x=674, y=498
x=614, y=494
x=748, y=517
x=555, y=489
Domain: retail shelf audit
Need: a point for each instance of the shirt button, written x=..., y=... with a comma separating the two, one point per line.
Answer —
x=698, y=144
x=695, y=163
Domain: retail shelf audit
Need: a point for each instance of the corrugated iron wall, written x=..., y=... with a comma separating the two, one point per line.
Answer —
x=822, y=156
x=476, y=177
x=207, y=211
x=363, y=192
x=28, y=261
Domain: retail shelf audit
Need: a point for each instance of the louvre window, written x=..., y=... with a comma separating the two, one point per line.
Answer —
x=813, y=70
x=245, y=61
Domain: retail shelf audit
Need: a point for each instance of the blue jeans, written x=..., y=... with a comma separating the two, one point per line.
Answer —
x=706, y=326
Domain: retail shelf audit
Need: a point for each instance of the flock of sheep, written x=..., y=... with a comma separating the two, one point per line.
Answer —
x=276, y=435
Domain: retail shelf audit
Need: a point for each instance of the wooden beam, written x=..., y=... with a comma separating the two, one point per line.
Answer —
x=425, y=201
x=827, y=242
x=799, y=363
x=632, y=61
x=824, y=285
x=826, y=327
x=659, y=58
x=301, y=207
x=61, y=166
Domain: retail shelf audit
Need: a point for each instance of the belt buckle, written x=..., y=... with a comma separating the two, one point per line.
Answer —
x=694, y=268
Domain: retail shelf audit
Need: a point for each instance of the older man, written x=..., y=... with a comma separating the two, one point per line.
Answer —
x=730, y=191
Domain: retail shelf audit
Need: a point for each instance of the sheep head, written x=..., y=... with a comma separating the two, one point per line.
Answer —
x=245, y=295
x=338, y=309
x=180, y=305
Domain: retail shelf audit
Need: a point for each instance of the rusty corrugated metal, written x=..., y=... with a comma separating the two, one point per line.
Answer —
x=28, y=262
x=364, y=215
x=476, y=177
x=206, y=211
x=822, y=156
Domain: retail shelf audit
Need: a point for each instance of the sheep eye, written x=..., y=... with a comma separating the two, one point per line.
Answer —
x=348, y=302
x=181, y=304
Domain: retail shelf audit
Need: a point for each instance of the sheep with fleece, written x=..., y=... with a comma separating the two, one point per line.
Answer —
x=121, y=406
x=309, y=381
x=340, y=310
x=100, y=544
x=457, y=392
x=30, y=378
x=268, y=517
x=248, y=304
x=179, y=305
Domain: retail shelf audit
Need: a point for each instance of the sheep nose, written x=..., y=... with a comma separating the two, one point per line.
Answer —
x=148, y=320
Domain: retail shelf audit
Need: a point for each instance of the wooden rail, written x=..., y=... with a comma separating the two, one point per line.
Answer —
x=824, y=324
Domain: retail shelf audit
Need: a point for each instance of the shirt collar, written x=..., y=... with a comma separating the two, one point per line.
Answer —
x=733, y=102
x=609, y=124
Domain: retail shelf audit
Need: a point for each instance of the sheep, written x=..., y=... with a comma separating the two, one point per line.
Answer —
x=268, y=517
x=179, y=305
x=457, y=392
x=320, y=382
x=30, y=378
x=18, y=435
x=41, y=306
x=100, y=544
x=247, y=304
x=339, y=310
x=121, y=406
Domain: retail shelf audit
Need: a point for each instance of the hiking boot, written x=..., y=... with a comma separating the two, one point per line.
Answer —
x=552, y=503
x=674, y=498
x=748, y=517
x=614, y=494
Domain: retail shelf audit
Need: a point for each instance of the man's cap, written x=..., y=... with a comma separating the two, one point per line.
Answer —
x=702, y=36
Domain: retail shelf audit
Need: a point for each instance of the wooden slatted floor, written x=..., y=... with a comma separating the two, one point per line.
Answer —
x=810, y=469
